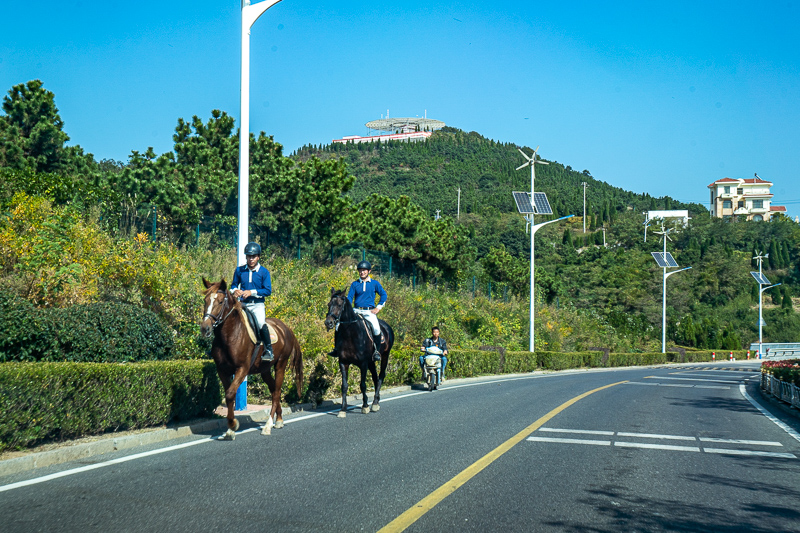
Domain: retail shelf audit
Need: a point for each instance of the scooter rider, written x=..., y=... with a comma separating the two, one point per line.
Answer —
x=252, y=283
x=362, y=295
x=434, y=340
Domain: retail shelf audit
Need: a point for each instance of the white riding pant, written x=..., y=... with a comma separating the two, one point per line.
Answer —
x=258, y=310
x=372, y=318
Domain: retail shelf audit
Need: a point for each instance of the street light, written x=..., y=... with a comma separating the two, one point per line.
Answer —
x=250, y=14
x=665, y=260
x=763, y=284
x=529, y=204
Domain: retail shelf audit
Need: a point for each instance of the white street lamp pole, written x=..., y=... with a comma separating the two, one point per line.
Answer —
x=584, y=206
x=534, y=229
x=761, y=289
x=250, y=14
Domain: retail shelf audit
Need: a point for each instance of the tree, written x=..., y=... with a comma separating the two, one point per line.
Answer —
x=32, y=134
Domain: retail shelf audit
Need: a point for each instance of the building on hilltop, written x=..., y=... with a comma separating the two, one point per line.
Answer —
x=400, y=129
x=748, y=199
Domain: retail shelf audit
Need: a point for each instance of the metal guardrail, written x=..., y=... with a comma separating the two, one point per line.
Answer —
x=777, y=350
x=786, y=392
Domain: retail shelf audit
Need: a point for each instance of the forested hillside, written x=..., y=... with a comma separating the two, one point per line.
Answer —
x=712, y=305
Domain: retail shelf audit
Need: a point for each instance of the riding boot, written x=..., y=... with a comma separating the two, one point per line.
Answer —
x=377, y=344
x=265, y=338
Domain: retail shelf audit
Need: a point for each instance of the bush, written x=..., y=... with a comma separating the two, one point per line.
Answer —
x=102, y=332
x=56, y=401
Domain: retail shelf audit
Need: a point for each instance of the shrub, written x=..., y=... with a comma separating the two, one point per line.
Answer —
x=102, y=332
x=44, y=402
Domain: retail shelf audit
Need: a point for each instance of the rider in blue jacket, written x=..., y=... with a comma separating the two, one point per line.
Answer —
x=362, y=295
x=252, y=283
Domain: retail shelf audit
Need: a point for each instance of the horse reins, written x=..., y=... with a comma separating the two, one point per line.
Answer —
x=218, y=320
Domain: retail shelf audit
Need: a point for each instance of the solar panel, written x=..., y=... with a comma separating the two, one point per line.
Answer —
x=760, y=278
x=664, y=260
x=541, y=203
x=523, y=201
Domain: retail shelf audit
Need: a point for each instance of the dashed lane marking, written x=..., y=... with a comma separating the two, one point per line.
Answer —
x=666, y=447
x=679, y=385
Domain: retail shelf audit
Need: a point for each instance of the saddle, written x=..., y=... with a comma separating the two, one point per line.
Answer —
x=251, y=325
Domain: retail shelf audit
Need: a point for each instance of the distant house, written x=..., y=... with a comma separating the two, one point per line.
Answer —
x=749, y=199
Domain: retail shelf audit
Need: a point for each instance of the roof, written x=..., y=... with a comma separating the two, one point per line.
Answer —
x=779, y=208
x=749, y=181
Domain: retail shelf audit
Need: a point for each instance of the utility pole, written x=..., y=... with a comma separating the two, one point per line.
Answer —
x=584, y=205
x=458, y=208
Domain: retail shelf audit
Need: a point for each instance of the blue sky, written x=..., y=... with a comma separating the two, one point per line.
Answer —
x=662, y=97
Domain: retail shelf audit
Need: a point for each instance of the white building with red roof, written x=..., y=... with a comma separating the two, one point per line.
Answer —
x=749, y=199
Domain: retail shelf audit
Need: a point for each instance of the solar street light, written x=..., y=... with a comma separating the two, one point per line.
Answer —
x=665, y=260
x=763, y=284
x=535, y=203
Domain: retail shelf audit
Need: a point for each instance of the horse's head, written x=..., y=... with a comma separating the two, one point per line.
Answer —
x=217, y=304
x=336, y=306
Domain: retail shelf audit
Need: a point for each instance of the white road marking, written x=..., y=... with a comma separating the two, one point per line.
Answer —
x=657, y=446
x=694, y=379
x=586, y=431
x=704, y=374
x=750, y=452
x=654, y=436
x=679, y=386
x=739, y=441
x=571, y=441
x=794, y=434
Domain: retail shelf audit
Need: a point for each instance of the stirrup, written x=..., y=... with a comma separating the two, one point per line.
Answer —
x=376, y=356
x=268, y=354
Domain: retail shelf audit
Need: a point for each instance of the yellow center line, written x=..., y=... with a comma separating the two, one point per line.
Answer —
x=402, y=522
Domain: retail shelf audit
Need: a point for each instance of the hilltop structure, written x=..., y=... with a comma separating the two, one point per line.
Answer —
x=747, y=198
x=401, y=129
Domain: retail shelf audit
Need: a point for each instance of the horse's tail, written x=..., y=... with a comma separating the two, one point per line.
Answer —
x=296, y=362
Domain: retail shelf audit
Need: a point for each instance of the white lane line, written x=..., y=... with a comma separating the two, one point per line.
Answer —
x=749, y=452
x=794, y=434
x=108, y=463
x=571, y=441
x=739, y=441
x=584, y=431
x=655, y=436
x=708, y=374
x=657, y=446
x=694, y=379
x=679, y=386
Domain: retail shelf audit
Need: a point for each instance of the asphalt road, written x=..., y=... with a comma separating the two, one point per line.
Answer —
x=678, y=448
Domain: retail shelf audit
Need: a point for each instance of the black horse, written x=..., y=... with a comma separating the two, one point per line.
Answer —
x=354, y=346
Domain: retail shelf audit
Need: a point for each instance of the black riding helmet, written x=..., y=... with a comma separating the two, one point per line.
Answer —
x=364, y=264
x=252, y=248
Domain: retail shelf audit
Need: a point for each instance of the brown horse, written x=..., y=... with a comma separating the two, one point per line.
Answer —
x=232, y=351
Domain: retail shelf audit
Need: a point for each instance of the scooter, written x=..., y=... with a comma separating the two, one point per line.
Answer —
x=433, y=367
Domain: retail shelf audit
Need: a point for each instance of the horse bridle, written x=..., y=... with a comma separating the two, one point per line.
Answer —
x=219, y=319
x=338, y=319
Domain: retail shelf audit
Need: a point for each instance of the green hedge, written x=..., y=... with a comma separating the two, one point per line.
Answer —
x=43, y=402
x=100, y=332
